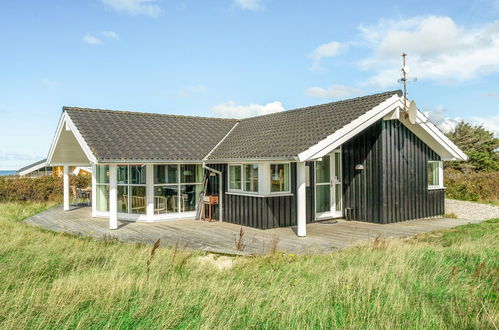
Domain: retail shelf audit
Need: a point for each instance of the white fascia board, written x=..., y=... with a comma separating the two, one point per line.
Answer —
x=80, y=139
x=32, y=169
x=56, y=137
x=350, y=130
x=440, y=137
x=64, y=123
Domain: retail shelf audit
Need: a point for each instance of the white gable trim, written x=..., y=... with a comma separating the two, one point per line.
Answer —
x=350, y=130
x=66, y=123
x=32, y=169
x=388, y=110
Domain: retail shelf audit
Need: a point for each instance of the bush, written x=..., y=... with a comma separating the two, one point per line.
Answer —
x=472, y=186
x=46, y=188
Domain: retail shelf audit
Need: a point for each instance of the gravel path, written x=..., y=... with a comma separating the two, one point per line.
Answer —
x=471, y=210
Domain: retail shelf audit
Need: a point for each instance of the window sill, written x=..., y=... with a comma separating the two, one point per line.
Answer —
x=436, y=188
x=259, y=195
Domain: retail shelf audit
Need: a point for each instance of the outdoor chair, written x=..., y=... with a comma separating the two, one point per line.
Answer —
x=160, y=205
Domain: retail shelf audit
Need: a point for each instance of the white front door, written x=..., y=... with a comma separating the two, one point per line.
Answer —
x=328, y=188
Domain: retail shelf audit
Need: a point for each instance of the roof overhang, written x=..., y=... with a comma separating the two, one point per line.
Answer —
x=388, y=110
x=68, y=146
x=32, y=169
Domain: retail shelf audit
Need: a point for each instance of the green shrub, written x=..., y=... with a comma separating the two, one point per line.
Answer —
x=46, y=188
x=472, y=186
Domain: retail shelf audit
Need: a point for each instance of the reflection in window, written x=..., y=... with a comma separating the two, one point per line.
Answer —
x=251, y=177
x=433, y=173
x=235, y=177
x=279, y=177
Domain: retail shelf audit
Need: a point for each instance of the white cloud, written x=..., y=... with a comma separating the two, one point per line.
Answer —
x=231, y=110
x=135, y=7
x=193, y=89
x=253, y=5
x=110, y=35
x=333, y=91
x=446, y=123
x=49, y=83
x=438, y=49
x=330, y=49
x=493, y=95
x=89, y=39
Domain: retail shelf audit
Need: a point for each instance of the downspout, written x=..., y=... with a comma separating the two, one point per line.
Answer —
x=220, y=188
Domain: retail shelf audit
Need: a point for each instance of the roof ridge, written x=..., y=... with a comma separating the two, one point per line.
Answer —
x=395, y=91
x=148, y=114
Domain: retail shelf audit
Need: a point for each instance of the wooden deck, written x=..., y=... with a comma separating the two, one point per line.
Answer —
x=220, y=237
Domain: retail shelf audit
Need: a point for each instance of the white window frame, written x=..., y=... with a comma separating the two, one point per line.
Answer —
x=269, y=179
x=129, y=186
x=98, y=184
x=242, y=191
x=178, y=185
x=440, y=171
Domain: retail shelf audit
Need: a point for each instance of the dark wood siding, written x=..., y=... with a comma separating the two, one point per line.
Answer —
x=393, y=186
x=253, y=211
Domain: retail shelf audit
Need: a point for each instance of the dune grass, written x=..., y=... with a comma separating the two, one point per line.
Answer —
x=444, y=279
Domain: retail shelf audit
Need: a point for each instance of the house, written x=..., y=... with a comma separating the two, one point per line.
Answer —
x=360, y=159
x=40, y=168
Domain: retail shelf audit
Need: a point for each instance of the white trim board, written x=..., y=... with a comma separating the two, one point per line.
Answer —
x=388, y=110
x=32, y=169
x=65, y=122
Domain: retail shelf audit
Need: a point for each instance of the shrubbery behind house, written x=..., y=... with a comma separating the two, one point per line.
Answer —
x=46, y=188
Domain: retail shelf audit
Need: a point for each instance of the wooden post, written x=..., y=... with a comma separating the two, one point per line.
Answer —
x=66, y=187
x=113, y=197
x=94, y=190
x=301, y=199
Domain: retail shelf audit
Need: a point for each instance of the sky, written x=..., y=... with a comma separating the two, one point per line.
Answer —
x=237, y=58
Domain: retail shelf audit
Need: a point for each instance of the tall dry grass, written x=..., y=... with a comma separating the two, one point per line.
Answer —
x=445, y=279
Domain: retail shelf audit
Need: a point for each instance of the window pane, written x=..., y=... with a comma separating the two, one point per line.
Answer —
x=323, y=198
x=433, y=174
x=322, y=170
x=138, y=199
x=102, y=175
x=337, y=166
x=337, y=199
x=122, y=174
x=251, y=177
x=165, y=199
x=191, y=173
x=123, y=199
x=102, y=198
x=235, y=177
x=165, y=173
x=189, y=196
x=138, y=174
x=279, y=177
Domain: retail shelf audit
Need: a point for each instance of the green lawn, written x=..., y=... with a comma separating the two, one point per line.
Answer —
x=445, y=279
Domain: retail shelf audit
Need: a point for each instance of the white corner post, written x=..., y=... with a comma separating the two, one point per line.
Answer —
x=150, y=192
x=66, y=187
x=301, y=200
x=113, y=197
x=94, y=190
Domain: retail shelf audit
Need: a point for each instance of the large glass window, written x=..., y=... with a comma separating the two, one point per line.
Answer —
x=279, y=177
x=102, y=180
x=434, y=174
x=131, y=188
x=243, y=177
x=177, y=187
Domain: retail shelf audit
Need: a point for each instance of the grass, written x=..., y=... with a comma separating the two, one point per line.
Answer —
x=444, y=279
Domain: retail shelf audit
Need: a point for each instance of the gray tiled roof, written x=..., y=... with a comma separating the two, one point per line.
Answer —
x=126, y=136
x=121, y=135
x=286, y=134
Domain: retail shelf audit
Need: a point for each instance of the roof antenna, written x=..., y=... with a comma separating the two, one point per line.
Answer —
x=404, y=79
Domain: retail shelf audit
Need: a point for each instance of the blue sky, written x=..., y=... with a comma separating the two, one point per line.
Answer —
x=237, y=58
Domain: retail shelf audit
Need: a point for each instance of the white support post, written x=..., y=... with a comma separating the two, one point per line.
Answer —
x=150, y=192
x=301, y=199
x=113, y=197
x=66, y=187
x=94, y=190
